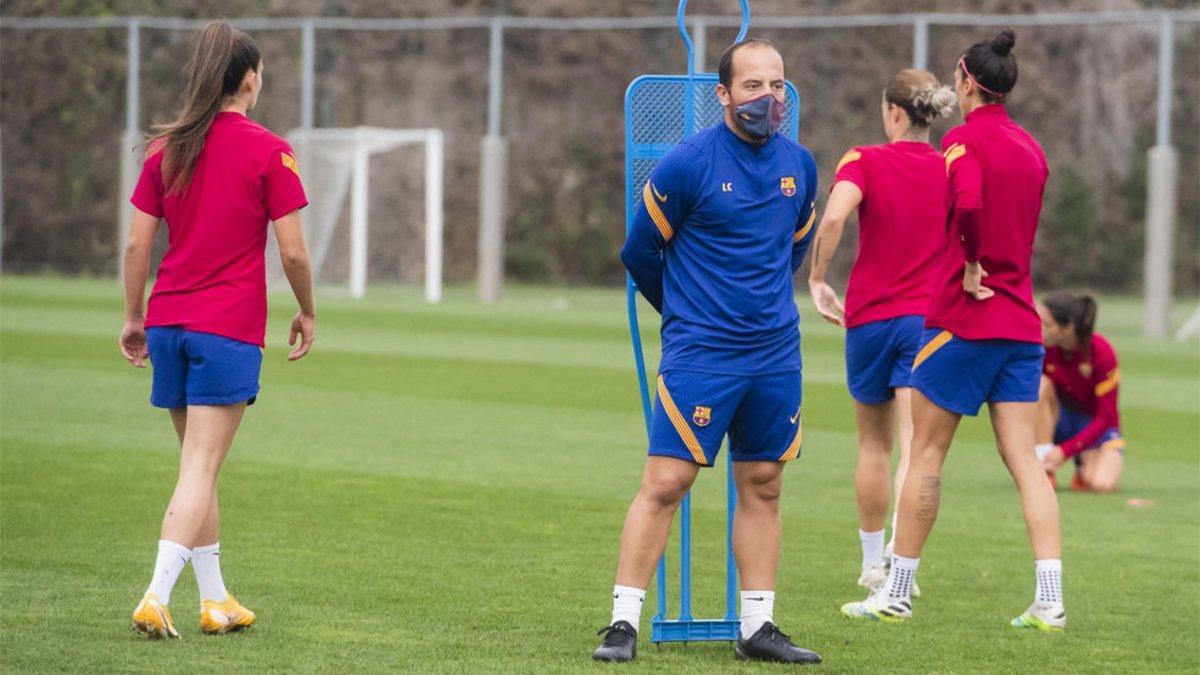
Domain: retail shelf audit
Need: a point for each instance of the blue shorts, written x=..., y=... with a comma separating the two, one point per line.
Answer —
x=960, y=375
x=1071, y=422
x=879, y=357
x=694, y=411
x=193, y=368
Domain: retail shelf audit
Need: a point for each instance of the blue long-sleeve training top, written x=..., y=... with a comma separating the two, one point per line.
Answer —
x=722, y=226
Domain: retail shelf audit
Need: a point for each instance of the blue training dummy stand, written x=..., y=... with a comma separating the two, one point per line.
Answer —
x=661, y=111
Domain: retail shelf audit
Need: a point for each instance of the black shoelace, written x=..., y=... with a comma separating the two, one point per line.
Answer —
x=614, y=635
x=779, y=636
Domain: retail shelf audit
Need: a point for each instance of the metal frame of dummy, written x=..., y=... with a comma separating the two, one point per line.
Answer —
x=641, y=155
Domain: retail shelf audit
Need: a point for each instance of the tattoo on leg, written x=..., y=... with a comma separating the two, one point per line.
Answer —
x=927, y=500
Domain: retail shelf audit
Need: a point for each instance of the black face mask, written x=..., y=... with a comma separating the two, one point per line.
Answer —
x=760, y=117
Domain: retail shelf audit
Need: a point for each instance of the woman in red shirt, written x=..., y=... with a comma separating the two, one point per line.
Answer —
x=1077, y=404
x=217, y=178
x=982, y=342
x=898, y=189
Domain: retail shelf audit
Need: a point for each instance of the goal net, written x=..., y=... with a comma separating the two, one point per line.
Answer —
x=363, y=219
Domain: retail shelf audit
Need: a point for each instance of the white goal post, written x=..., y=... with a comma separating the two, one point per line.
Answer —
x=338, y=160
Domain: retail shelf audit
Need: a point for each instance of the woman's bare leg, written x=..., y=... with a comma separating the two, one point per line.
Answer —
x=1102, y=468
x=1013, y=425
x=933, y=430
x=209, y=433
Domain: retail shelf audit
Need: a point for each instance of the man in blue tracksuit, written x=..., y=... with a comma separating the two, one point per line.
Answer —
x=724, y=221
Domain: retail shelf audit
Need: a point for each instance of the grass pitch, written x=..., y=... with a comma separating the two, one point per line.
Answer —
x=442, y=488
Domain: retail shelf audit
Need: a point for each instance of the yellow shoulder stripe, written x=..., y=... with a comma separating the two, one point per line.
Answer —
x=656, y=214
x=803, y=232
x=680, y=424
x=290, y=162
x=932, y=346
x=952, y=153
x=850, y=156
x=1109, y=383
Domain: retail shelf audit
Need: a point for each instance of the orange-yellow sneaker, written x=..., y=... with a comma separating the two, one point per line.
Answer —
x=228, y=616
x=152, y=619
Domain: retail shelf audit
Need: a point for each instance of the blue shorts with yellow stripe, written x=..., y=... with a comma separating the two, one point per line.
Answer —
x=694, y=411
x=961, y=375
x=879, y=357
x=1071, y=422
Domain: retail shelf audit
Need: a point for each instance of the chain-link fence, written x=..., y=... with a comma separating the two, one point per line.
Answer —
x=1098, y=89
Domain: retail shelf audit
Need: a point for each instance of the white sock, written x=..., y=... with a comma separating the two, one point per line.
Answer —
x=1043, y=449
x=872, y=549
x=900, y=578
x=758, y=607
x=206, y=562
x=172, y=558
x=627, y=605
x=1049, y=581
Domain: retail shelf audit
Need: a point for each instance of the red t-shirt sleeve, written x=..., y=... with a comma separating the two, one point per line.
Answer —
x=850, y=168
x=285, y=192
x=1108, y=378
x=148, y=193
x=965, y=178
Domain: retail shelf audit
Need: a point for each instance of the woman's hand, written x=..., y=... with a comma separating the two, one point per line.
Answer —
x=825, y=299
x=133, y=343
x=973, y=276
x=304, y=326
x=1053, y=459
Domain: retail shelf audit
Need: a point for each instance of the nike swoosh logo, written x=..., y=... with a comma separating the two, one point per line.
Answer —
x=660, y=197
x=759, y=599
x=795, y=417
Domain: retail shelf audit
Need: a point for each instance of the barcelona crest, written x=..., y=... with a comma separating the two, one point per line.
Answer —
x=701, y=416
x=787, y=185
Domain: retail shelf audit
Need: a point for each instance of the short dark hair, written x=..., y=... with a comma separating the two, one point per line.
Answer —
x=993, y=66
x=725, y=67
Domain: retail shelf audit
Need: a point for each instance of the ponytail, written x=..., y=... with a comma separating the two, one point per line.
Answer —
x=1086, y=325
x=222, y=57
x=1079, y=310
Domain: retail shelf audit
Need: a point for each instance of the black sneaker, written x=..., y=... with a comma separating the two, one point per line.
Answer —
x=769, y=644
x=620, y=643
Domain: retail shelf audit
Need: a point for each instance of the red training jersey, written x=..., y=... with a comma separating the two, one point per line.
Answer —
x=997, y=173
x=213, y=276
x=1087, y=383
x=901, y=220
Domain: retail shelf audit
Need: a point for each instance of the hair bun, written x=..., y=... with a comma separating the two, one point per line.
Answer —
x=1003, y=43
x=943, y=100
x=932, y=101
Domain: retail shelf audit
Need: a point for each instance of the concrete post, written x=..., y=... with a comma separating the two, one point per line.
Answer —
x=1161, y=196
x=1162, y=176
x=493, y=177
x=494, y=160
x=131, y=167
x=130, y=161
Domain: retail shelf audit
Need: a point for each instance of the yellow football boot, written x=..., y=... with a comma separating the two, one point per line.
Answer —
x=152, y=619
x=229, y=616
